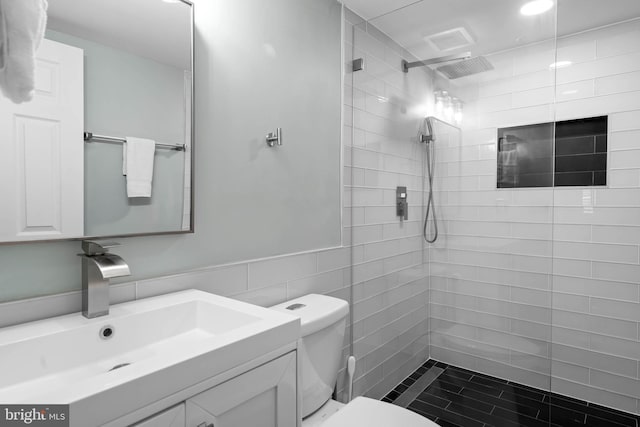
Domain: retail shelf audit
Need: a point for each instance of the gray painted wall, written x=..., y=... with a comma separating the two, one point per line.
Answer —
x=257, y=68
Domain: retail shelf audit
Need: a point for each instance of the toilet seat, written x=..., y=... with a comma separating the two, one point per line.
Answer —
x=366, y=412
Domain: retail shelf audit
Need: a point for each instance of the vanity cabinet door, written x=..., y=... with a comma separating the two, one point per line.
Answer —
x=172, y=417
x=262, y=397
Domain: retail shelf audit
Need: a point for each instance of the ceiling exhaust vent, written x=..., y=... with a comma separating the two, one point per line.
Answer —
x=456, y=38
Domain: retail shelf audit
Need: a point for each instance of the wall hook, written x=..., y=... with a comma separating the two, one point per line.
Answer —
x=274, y=138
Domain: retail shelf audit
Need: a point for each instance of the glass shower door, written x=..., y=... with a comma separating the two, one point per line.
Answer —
x=596, y=310
x=390, y=278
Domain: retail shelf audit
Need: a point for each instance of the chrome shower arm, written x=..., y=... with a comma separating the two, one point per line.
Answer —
x=457, y=57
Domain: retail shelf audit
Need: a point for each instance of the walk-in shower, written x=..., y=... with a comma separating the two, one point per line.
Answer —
x=529, y=296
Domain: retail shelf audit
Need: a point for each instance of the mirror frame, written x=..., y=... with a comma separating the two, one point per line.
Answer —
x=191, y=229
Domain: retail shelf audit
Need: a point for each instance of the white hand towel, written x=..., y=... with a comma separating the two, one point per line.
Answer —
x=137, y=165
x=22, y=23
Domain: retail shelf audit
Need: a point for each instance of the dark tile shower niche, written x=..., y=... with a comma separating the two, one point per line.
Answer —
x=565, y=153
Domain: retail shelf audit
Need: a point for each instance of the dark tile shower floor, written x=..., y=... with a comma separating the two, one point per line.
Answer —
x=463, y=398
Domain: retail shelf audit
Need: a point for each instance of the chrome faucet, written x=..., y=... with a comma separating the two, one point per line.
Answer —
x=98, y=266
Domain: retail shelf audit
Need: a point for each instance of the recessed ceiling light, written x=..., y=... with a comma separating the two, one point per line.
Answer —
x=536, y=7
x=560, y=64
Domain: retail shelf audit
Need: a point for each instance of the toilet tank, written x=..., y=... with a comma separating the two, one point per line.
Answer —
x=323, y=322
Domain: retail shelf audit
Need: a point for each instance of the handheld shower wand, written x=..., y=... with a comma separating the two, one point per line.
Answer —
x=428, y=138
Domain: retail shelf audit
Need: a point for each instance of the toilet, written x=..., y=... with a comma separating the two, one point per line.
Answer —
x=323, y=324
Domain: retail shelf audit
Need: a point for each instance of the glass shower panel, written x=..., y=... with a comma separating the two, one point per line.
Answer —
x=596, y=310
x=383, y=160
x=349, y=21
x=491, y=265
x=490, y=268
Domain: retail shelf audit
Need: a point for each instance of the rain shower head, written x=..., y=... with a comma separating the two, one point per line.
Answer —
x=465, y=67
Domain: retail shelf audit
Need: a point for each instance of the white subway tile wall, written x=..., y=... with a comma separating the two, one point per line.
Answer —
x=512, y=263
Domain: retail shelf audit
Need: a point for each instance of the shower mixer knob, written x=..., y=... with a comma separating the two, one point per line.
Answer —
x=402, y=208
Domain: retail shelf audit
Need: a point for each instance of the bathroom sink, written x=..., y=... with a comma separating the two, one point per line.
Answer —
x=170, y=342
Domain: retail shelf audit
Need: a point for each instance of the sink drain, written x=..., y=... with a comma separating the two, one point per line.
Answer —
x=121, y=365
x=106, y=332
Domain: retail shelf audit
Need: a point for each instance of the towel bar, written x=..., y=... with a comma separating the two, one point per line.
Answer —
x=90, y=136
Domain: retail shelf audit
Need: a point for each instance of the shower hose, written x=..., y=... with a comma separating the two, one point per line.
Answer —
x=431, y=211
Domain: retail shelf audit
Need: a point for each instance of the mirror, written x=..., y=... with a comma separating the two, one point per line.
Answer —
x=108, y=72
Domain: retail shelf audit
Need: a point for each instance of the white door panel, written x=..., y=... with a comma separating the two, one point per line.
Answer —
x=42, y=162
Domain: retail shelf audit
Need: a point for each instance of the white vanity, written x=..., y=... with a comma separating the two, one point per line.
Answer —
x=186, y=359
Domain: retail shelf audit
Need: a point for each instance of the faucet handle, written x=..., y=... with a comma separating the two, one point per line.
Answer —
x=98, y=247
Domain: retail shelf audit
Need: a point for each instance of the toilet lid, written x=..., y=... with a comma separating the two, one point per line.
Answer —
x=366, y=412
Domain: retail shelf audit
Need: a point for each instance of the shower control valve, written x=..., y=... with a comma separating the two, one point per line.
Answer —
x=402, y=208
